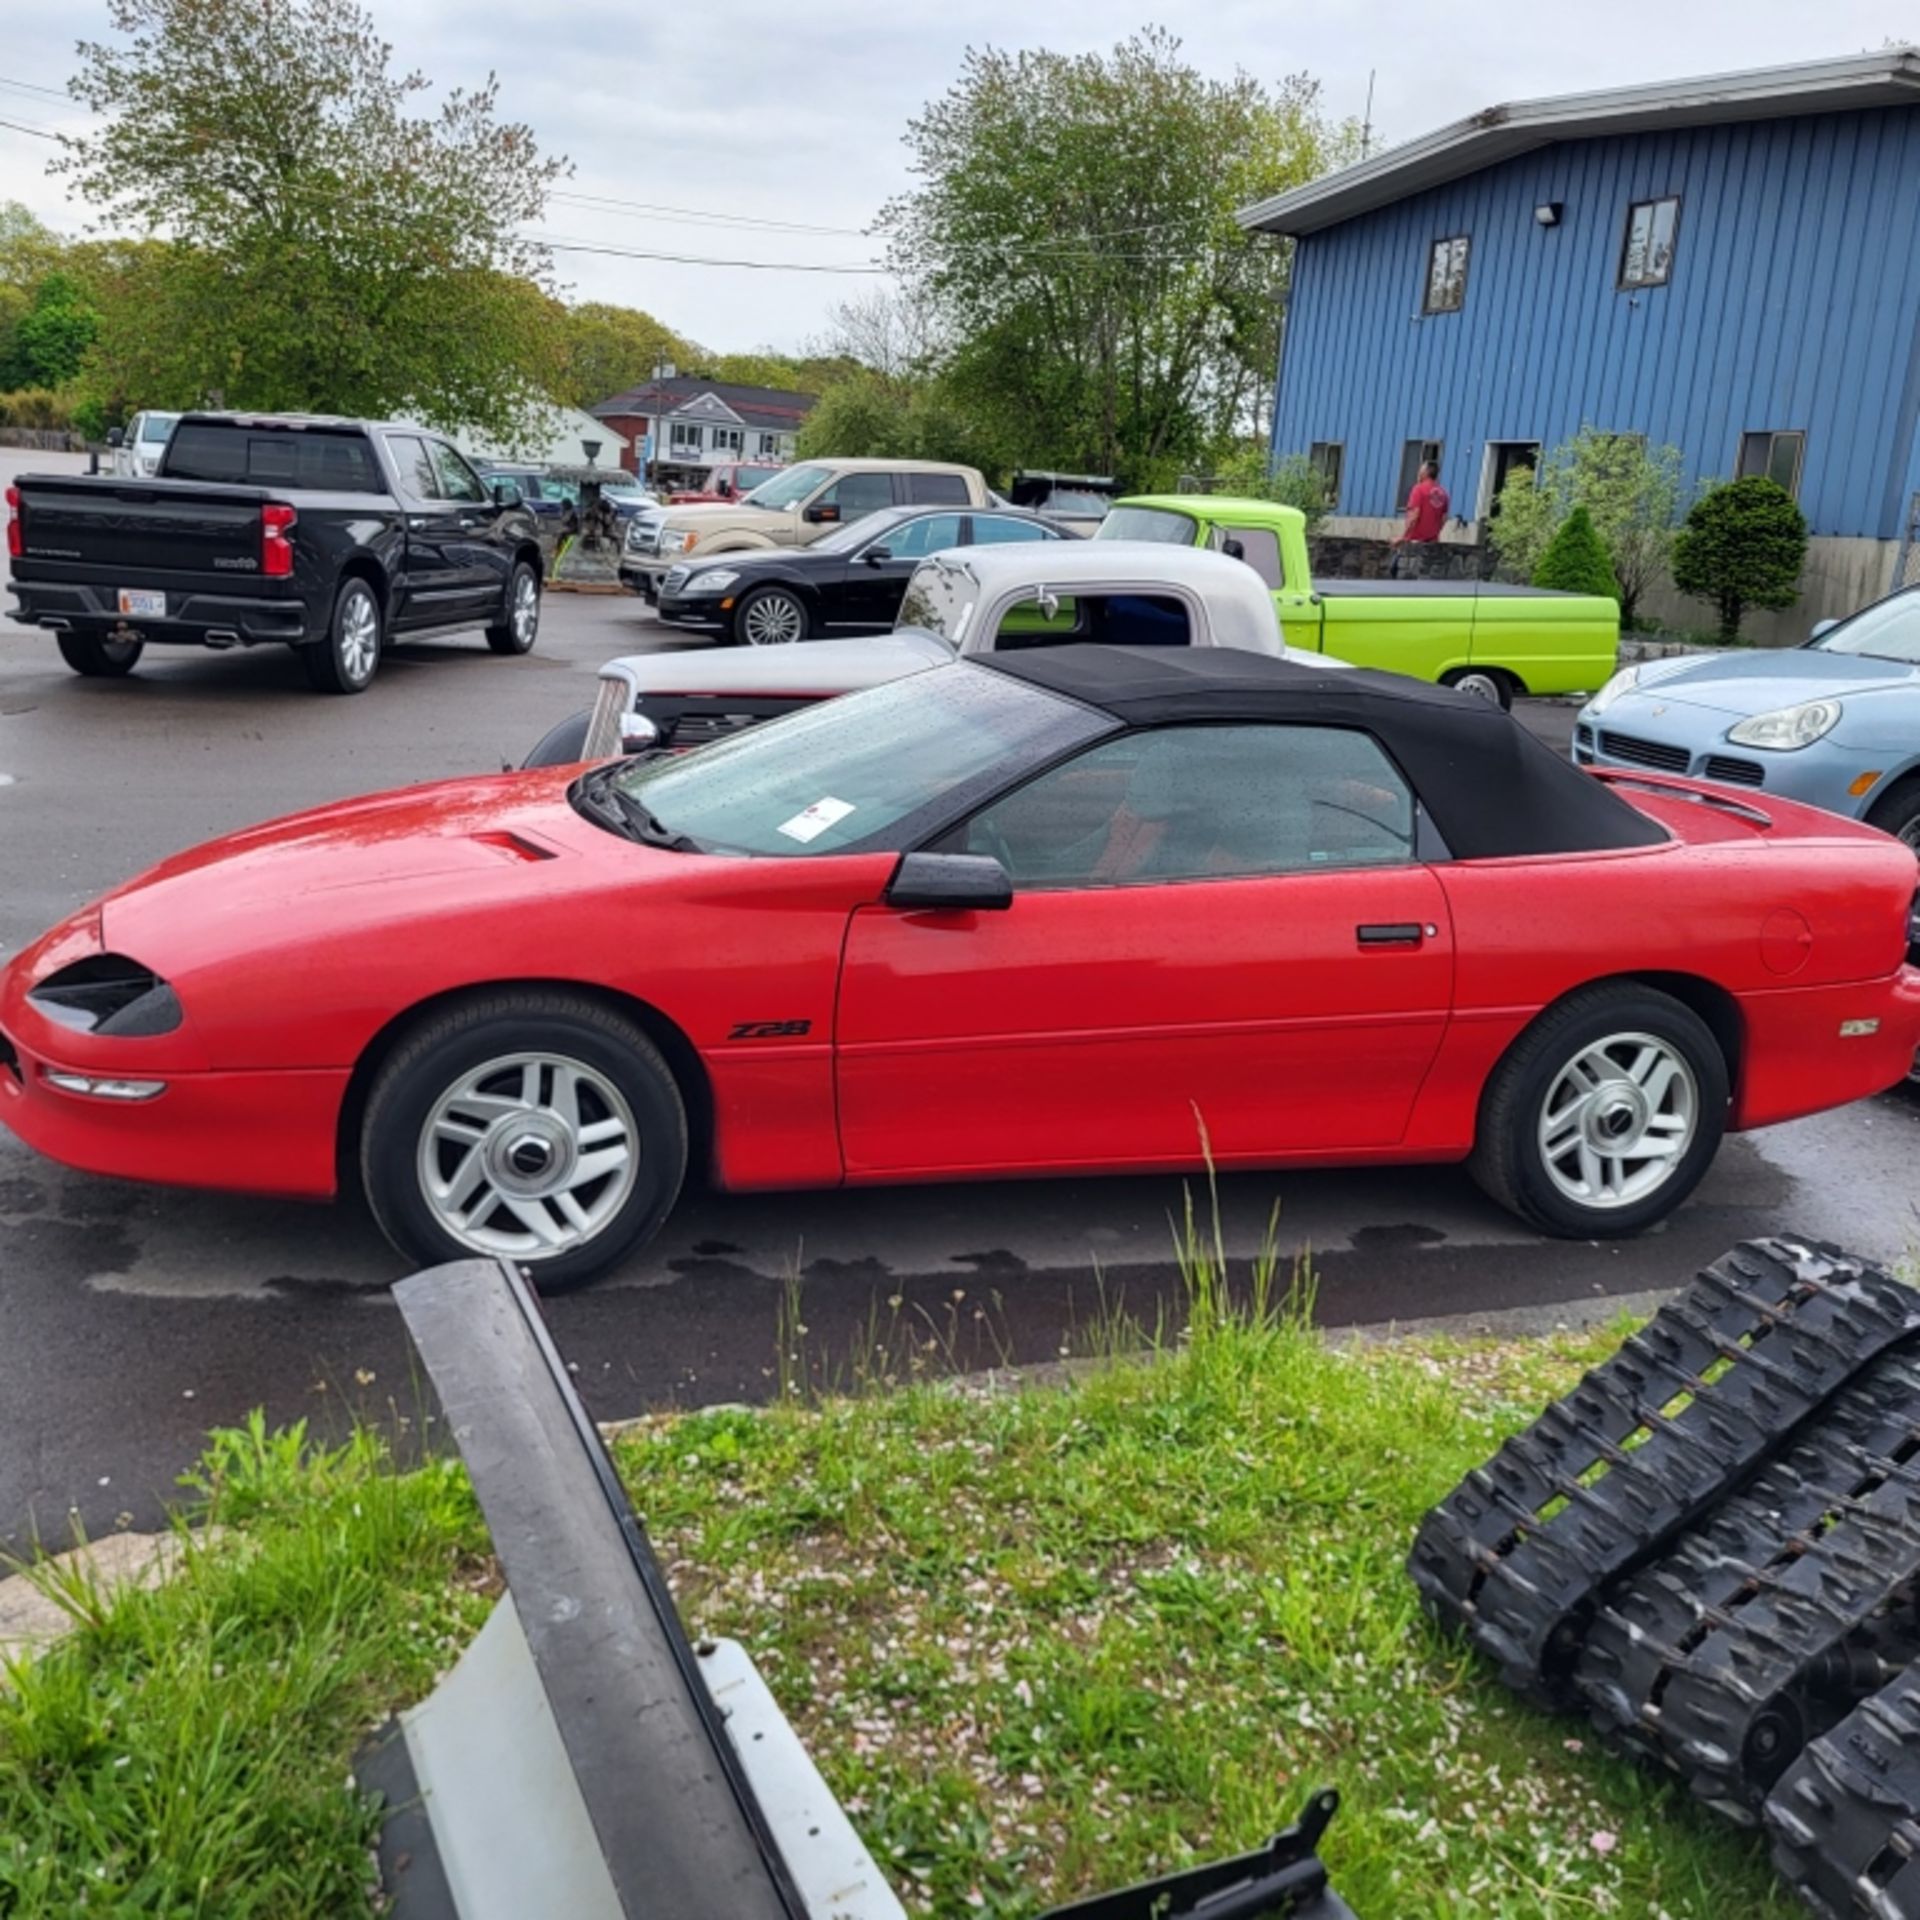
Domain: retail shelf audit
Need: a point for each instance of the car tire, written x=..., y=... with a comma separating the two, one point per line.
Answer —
x=1607, y=1070
x=564, y=746
x=99, y=657
x=771, y=617
x=1898, y=812
x=586, y=1079
x=347, y=659
x=519, y=625
x=1484, y=683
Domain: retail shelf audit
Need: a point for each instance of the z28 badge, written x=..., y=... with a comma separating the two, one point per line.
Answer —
x=770, y=1029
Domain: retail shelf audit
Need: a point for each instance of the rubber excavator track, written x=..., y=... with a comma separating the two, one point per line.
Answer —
x=1712, y=1545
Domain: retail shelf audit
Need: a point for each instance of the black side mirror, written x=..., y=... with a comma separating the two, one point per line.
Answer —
x=115, y=438
x=724, y=489
x=506, y=493
x=1233, y=549
x=951, y=883
x=875, y=555
x=823, y=516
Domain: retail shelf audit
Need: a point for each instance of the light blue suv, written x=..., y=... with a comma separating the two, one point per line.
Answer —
x=1835, y=723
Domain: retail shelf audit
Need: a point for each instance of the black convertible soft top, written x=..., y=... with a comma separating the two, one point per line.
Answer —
x=1490, y=786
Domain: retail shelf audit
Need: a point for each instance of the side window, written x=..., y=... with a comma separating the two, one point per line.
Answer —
x=858, y=494
x=458, y=481
x=1199, y=803
x=414, y=465
x=1259, y=547
x=994, y=529
x=917, y=538
x=1105, y=619
x=936, y=489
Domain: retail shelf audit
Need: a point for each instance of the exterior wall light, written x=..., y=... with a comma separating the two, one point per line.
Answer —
x=1548, y=213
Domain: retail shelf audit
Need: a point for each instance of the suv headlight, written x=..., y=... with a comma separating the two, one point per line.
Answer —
x=1789, y=728
x=711, y=580
x=1622, y=682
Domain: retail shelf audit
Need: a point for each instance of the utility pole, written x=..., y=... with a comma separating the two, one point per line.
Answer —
x=1366, y=124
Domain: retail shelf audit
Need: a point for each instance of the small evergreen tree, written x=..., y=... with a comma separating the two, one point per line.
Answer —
x=1742, y=546
x=1577, y=561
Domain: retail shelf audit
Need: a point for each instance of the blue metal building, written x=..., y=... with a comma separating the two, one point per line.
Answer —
x=1726, y=264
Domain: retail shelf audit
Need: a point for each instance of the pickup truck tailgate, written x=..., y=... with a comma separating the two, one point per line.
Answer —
x=138, y=532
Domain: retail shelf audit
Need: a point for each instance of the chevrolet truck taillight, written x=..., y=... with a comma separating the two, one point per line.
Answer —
x=276, y=542
x=16, y=538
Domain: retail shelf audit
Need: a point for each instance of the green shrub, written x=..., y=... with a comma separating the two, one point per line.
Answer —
x=1577, y=560
x=1742, y=546
x=1291, y=480
x=38, y=407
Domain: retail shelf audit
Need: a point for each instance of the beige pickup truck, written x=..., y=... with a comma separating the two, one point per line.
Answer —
x=793, y=509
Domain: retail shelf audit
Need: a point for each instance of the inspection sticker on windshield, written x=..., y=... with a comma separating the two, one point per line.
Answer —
x=811, y=822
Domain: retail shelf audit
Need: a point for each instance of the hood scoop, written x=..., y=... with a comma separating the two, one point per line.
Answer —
x=516, y=846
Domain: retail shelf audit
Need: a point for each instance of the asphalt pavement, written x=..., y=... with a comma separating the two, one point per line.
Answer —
x=131, y=1319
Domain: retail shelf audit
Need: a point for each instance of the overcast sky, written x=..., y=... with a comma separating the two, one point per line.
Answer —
x=781, y=112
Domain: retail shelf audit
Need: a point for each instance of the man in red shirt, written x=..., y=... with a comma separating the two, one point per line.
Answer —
x=1427, y=508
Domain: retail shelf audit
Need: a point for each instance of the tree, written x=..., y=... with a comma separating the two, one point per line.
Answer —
x=330, y=248
x=1630, y=490
x=1073, y=235
x=609, y=349
x=1293, y=480
x=1742, y=546
x=869, y=417
x=50, y=336
x=1577, y=561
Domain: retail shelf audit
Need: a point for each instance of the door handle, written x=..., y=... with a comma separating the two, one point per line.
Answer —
x=1390, y=933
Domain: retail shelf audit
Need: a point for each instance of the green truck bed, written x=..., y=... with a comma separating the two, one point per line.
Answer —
x=1496, y=639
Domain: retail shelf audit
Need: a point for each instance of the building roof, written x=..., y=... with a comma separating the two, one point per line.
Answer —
x=770, y=407
x=1888, y=78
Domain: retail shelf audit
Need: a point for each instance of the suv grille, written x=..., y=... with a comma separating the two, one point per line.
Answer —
x=1644, y=753
x=1736, y=773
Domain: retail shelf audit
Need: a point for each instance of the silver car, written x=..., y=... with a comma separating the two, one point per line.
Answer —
x=1834, y=723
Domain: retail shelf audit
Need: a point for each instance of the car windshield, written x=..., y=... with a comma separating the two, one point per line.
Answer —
x=844, y=773
x=1067, y=501
x=1888, y=630
x=156, y=426
x=787, y=488
x=746, y=477
x=1149, y=523
x=626, y=488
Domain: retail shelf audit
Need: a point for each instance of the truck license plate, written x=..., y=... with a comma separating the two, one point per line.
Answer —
x=137, y=603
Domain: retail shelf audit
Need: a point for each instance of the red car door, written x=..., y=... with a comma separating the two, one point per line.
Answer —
x=1218, y=926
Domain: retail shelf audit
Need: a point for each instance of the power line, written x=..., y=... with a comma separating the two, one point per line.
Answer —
x=27, y=86
x=699, y=260
x=40, y=133
x=650, y=210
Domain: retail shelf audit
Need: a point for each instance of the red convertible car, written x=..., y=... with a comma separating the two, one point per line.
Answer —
x=1052, y=910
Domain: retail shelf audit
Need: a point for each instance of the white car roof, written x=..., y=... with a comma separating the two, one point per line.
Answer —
x=845, y=665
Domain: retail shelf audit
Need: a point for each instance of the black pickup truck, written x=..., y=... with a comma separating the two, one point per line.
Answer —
x=329, y=536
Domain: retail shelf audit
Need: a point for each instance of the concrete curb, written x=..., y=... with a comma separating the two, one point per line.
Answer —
x=31, y=1621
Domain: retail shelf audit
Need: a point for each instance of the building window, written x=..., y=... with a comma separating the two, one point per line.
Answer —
x=1447, y=275
x=1328, y=458
x=1413, y=456
x=1773, y=456
x=1505, y=458
x=1646, y=254
x=686, y=437
x=728, y=440
x=769, y=445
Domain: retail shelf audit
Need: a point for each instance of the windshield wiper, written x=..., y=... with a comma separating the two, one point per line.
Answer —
x=619, y=811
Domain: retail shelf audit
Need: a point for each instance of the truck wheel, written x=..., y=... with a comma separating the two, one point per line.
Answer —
x=529, y=1125
x=1898, y=813
x=773, y=617
x=344, y=662
x=1604, y=1114
x=517, y=630
x=98, y=657
x=1484, y=683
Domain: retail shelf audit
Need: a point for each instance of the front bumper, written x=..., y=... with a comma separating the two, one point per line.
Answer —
x=1635, y=741
x=191, y=620
x=702, y=612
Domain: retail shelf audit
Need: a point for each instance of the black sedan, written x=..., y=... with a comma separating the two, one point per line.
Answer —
x=850, y=582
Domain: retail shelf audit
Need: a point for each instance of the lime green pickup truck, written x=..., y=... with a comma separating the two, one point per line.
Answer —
x=1488, y=639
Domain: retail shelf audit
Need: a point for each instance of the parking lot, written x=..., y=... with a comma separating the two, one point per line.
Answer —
x=134, y=1318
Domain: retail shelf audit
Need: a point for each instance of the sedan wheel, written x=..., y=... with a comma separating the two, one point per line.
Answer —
x=771, y=618
x=1899, y=814
x=1604, y=1114
x=528, y=1126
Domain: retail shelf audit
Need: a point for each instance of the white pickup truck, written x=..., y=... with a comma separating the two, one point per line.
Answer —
x=969, y=601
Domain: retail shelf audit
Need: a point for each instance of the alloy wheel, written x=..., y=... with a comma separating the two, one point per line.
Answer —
x=773, y=620
x=359, y=638
x=529, y=1155
x=1618, y=1120
x=526, y=610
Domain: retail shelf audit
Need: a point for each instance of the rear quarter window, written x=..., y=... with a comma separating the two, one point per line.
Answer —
x=300, y=459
